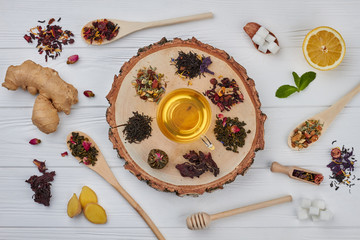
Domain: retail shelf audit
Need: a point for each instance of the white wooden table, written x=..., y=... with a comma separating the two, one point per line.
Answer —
x=21, y=218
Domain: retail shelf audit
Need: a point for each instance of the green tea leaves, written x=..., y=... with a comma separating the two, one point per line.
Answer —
x=285, y=90
x=301, y=83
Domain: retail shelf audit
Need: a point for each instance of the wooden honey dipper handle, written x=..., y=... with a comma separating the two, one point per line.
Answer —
x=251, y=207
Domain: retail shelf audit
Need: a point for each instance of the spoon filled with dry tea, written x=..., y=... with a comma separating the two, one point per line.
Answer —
x=86, y=151
x=104, y=31
x=309, y=131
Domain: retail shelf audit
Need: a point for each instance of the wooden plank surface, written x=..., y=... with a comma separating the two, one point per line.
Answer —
x=21, y=218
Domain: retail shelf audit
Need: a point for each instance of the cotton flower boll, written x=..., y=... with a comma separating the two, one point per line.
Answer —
x=270, y=38
x=315, y=218
x=258, y=39
x=273, y=47
x=262, y=32
x=263, y=48
x=305, y=203
x=326, y=215
x=302, y=214
x=314, y=211
x=319, y=204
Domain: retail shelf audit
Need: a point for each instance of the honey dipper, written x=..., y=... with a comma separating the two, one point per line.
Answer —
x=202, y=220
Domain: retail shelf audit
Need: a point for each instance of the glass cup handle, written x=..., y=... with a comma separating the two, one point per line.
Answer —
x=207, y=142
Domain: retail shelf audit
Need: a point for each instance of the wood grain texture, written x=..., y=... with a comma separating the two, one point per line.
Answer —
x=21, y=218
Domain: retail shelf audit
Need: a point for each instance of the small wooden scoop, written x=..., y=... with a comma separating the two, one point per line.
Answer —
x=327, y=116
x=202, y=220
x=129, y=27
x=289, y=170
x=102, y=168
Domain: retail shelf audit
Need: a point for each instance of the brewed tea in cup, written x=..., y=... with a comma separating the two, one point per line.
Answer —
x=184, y=115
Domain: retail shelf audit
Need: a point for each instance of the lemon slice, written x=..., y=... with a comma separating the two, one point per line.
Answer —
x=324, y=48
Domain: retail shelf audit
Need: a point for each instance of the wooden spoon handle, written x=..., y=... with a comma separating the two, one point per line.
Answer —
x=277, y=167
x=252, y=207
x=137, y=207
x=180, y=19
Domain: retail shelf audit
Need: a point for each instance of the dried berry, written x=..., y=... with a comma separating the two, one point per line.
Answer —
x=157, y=159
x=35, y=141
x=72, y=59
x=89, y=93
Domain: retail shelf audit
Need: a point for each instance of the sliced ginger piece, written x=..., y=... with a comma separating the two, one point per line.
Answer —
x=95, y=213
x=74, y=206
x=87, y=196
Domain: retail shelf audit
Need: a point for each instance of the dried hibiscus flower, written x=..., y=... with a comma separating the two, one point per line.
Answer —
x=197, y=165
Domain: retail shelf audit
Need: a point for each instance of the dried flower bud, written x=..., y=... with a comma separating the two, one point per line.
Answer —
x=72, y=59
x=235, y=129
x=64, y=154
x=89, y=93
x=224, y=122
x=41, y=165
x=220, y=116
x=35, y=141
x=86, y=145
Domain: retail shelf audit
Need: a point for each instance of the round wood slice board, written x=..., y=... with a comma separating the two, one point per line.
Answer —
x=123, y=101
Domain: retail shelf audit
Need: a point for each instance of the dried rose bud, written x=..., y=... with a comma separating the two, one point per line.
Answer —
x=220, y=116
x=41, y=165
x=64, y=154
x=86, y=145
x=35, y=141
x=224, y=122
x=89, y=93
x=85, y=161
x=71, y=140
x=72, y=59
x=235, y=129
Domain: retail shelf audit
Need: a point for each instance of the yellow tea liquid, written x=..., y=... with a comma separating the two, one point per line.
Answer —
x=183, y=115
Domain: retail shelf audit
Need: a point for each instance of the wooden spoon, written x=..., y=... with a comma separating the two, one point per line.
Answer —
x=327, y=116
x=202, y=220
x=102, y=168
x=130, y=27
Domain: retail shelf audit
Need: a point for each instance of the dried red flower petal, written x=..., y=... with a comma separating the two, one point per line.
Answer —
x=86, y=145
x=235, y=129
x=72, y=59
x=220, y=116
x=51, y=21
x=35, y=141
x=41, y=186
x=27, y=38
x=64, y=154
x=41, y=165
x=89, y=93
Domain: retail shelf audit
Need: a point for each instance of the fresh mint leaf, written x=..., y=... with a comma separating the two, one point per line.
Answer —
x=285, y=91
x=296, y=79
x=306, y=79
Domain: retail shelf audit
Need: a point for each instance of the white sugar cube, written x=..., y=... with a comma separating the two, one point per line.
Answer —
x=314, y=211
x=258, y=39
x=302, y=213
x=263, y=48
x=315, y=218
x=270, y=38
x=326, y=215
x=273, y=47
x=319, y=204
x=262, y=32
x=305, y=203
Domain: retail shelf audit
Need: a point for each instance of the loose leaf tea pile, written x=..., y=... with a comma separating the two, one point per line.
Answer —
x=224, y=94
x=100, y=30
x=306, y=134
x=50, y=38
x=230, y=132
x=307, y=176
x=137, y=128
x=342, y=167
x=149, y=85
x=81, y=147
x=41, y=184
x=197, y=165
x=191, y=65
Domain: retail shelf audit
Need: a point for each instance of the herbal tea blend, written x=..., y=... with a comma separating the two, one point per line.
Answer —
x=197, y=165
x=81, y=147
x=50, y=38
x=308, y=133
x=342, y=167
x=137, y=128
x=230, y=132
x=149, y=85
x=191, y=65
x=157, y=159
x=224, y=94
x=307, y=176
x=100, y=30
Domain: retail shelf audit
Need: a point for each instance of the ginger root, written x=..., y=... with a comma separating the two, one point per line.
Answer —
x=74, y=206
x=55, y=95
x=87, y=196
x=95, y=213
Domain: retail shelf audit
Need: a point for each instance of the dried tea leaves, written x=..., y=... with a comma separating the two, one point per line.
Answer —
x=230, y=132
x=308, y=176
x=224, y=94
x=197, y=165
x=157, y=159
x=41, y=184
x=137, y=128
x=81, y=147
